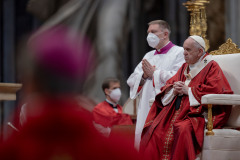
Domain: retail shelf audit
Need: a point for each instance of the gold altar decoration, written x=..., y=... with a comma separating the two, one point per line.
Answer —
x=226, y=48
x=198, y=19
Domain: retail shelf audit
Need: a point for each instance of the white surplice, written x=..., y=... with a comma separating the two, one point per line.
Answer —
x=166, y=66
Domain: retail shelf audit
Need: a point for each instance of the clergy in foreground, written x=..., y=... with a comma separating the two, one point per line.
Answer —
x=174, y=128
x=109, y=113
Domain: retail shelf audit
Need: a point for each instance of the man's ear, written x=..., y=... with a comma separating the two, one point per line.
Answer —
x=165, y=34
x=200, y=52
x=106, y=91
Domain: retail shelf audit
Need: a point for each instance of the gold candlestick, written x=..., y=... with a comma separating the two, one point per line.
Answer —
x=198, y=18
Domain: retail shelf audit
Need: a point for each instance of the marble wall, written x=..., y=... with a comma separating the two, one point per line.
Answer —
x=232, y=22
x=223, y=22
x=216, y=23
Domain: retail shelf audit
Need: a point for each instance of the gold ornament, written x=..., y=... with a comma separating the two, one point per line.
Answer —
x=198, y=18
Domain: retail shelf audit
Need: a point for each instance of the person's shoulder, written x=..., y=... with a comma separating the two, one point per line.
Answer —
x=214, y=64
x=103, y=108
x=177, y=51
x=100, y=105
x=150, y=53
x=177, y=48
x=118, y=105
x=210, y=59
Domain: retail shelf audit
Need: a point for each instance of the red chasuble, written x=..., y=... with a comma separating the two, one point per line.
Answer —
x=178, y=134
x=105, y=115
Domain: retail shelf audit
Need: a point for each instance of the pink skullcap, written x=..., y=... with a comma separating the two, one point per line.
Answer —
x=58, y=53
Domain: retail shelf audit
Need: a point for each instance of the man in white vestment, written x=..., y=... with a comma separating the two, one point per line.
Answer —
x=153, y=71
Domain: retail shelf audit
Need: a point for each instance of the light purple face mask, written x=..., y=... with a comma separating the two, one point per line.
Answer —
x=115, y=94
x=153, y=40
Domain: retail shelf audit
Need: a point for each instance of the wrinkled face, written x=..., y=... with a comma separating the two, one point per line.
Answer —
x=191, y=52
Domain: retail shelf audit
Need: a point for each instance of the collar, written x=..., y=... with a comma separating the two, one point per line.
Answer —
x=113, y=105
x=191, y=66
x=194, y=71
x=164, y=49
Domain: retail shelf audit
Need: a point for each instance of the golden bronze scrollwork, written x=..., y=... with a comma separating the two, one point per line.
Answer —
x=198, y=18
x=226, y=48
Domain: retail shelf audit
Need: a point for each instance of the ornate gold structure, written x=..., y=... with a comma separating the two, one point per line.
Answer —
x=198, y=21
x=226, y=48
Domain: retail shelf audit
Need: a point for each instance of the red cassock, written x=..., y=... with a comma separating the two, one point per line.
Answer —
x=105, y=115
x=178, y=134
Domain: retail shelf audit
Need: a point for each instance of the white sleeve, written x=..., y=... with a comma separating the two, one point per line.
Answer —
x=158, y=83
x=134, y=80
x=103, y=130
x=161, y=76
x=192, y=99
x=168, y=97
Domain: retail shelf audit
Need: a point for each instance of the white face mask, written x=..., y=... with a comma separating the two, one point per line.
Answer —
x=153, y=40
x=115, y=94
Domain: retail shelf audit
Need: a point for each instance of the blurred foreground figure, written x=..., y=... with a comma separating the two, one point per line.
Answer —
x=57, y=65
x=109, y=113
x=56, y=126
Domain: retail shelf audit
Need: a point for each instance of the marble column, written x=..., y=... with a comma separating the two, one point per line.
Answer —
x=232, y=24
x=215, y=11
x=8, y=61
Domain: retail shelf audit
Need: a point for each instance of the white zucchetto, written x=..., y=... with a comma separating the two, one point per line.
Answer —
x=199, y=40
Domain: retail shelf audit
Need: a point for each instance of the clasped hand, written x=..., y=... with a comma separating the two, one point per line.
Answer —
x=180, y=88
x=148, y=69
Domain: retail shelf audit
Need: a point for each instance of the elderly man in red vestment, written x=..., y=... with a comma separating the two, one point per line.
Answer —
x=109, y=113
x=175, y=125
